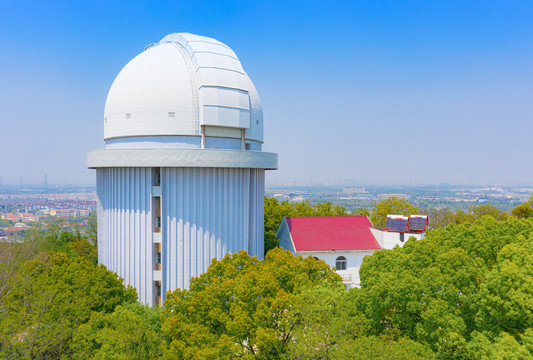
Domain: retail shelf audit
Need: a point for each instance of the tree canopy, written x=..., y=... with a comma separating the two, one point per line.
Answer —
x=463, y=292
x=524, y=210
x=131, y=332
x=455, y=284
x=51, y=295
x=390, y=206
x=241, y=306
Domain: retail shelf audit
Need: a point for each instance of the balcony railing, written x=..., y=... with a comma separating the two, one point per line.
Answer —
x=346, y=277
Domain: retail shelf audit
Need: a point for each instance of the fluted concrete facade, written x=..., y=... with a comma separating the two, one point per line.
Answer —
x=125, y=226
x=208, y=212
x=204, y=214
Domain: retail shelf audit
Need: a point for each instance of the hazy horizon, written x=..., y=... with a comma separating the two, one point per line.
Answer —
x=394, y=93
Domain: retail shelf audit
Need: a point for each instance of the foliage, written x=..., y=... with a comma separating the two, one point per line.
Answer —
x=12, y=256
x=362, y=212
x=524, y=210
x=326, y=319
x=460, y=281
x=377, y=348
x=130, y=332
x=506, y=295
x=52, y=295
x=390, y=206
x=276, y=211
x=72, y=243
x=241, y=307
x=91, y=229
x=463, y=292
x=444, y=217
x=479, y=211
x=440, y=218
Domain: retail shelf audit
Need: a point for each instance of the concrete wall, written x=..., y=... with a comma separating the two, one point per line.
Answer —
x=125, y=226
x=179, y=142
x=285, y=240
x=354, y=259
x=388, y=240
x=207, y=213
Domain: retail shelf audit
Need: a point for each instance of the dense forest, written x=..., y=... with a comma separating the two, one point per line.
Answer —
x=463, y=292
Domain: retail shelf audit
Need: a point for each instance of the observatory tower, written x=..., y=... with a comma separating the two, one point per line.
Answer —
x=181, y=178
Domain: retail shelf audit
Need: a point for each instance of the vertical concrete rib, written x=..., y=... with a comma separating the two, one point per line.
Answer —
x=205, y=213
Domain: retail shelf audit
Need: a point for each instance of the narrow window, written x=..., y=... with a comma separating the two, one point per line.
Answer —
x=340, y=263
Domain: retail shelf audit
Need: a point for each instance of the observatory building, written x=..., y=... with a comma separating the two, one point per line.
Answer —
x=181, y=179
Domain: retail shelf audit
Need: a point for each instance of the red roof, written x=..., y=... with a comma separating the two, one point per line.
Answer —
x=15, y=228
x=331, y=233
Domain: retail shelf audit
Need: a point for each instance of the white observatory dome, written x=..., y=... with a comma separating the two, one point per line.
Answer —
x=184, y=86
x=181, y=180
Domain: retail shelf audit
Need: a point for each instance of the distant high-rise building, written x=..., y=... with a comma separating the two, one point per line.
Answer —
x=350, y=190
x=45, y=183
x=181, y=178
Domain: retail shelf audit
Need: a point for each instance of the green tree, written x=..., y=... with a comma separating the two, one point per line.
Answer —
x=524, y=210
x=487, y=210
x=440, y=218
x=73, y=243
x=241, y=307
x=91, y=229
x=324, y=321
x=13, y=255
x=51, y=296
x=506, y=301
x=390, y=206
x=130, y=332
x=362, y=212
x=463, y=217
x=503, y=347
x=457, y=282
x=377, y=348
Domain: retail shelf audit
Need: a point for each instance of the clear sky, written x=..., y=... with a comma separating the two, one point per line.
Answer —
x=381, y=92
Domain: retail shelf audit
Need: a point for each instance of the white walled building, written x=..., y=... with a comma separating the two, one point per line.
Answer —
x=343, y=241
x=388, y=239
x=181, y=178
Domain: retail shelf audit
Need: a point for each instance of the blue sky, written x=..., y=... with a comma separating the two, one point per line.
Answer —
x=365, y=92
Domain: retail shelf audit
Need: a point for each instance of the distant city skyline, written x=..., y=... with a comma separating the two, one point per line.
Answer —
x=378, y=93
